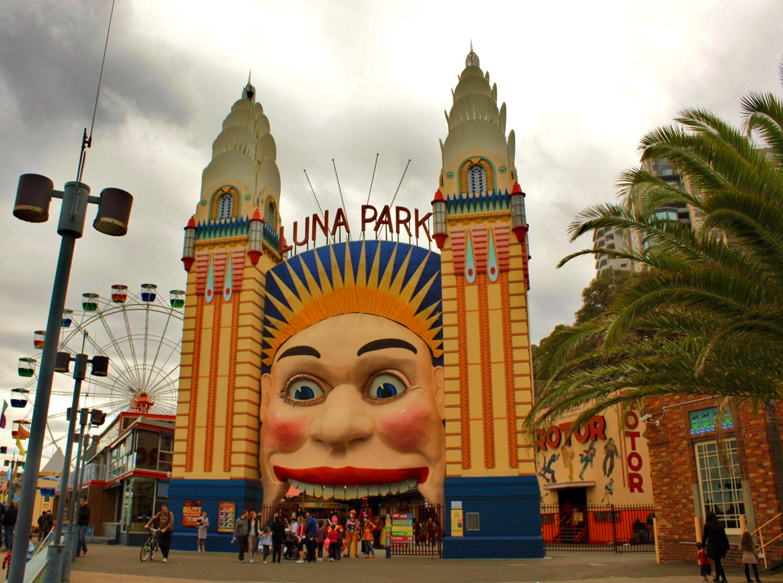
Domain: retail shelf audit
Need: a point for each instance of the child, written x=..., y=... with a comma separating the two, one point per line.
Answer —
x=704, y=562
x=749, y=556
x=266, y=542
x=367, y=538
x=202, y=522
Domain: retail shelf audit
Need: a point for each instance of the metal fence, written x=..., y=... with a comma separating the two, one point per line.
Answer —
x=417, y=530
x=598, y=528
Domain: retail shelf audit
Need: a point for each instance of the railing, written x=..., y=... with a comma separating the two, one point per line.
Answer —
x=762, y=544
x=598, y=528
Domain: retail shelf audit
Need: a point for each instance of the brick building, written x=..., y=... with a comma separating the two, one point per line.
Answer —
x=695, y=468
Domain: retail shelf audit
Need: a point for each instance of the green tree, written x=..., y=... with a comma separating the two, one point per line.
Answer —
x=598, y=296
x=706, y=318
x=712, y=309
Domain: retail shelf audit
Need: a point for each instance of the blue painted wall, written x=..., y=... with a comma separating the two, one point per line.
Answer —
x=244, y=493
x=509, y=518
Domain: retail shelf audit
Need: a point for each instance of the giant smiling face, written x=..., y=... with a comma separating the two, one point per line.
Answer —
x=353, y=407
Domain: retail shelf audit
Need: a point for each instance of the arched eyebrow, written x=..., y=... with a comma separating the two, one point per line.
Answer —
x=300, y=351
x=384, y=343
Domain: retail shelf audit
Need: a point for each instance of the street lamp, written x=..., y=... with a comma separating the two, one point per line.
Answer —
x=95, y=418
x=33, y=196
x=100, y=368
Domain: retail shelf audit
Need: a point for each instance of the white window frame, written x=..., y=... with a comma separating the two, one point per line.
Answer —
x=477, y=179
x=711, y=473
x=225, y=206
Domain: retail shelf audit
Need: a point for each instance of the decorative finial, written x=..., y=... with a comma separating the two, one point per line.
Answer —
x=472, y=59
x=249, y=92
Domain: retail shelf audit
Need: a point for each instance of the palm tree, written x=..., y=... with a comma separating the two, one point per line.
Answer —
x=706, y=316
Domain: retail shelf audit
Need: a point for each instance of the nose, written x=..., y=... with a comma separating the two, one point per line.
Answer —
x=342, y=421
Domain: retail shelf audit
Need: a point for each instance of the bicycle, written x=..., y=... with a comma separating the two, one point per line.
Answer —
x=150, y=548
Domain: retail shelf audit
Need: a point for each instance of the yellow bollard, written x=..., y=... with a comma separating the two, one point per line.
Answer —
x=697, y=525
x=655, y=533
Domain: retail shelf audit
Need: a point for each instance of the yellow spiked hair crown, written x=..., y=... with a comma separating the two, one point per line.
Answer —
x=396, y=281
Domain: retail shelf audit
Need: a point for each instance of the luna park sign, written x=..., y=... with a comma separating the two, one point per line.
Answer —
x=397, y=220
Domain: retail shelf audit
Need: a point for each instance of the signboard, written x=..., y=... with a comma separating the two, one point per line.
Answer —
x=226, y=516
x=191, y=510
x=402, y=528
x=456, y=522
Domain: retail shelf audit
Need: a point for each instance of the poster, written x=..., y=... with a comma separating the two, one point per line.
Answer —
x=402, y=528
x=456, y=522
x=226, y=514
x=191, y=510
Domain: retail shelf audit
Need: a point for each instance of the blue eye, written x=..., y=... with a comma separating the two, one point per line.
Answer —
x=385, y=386
x=303, y=390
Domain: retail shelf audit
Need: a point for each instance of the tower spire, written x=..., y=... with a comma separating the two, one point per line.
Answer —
x=472, y=58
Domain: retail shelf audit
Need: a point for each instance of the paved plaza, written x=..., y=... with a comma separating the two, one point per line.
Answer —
x=108, y=564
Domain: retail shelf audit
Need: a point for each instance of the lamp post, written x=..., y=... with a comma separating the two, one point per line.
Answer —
x=33, y=197
x=100, y=367
x=94, y=417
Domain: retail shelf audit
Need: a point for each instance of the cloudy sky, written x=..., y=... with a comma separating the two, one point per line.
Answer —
x=342, y=80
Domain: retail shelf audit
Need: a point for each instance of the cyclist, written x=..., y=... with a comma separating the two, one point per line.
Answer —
x=166, y=525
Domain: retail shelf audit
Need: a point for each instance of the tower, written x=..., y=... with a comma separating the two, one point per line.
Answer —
x=231, y=241
x=480, y=227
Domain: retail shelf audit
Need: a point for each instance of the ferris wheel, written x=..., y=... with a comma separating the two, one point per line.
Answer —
x=142, y=336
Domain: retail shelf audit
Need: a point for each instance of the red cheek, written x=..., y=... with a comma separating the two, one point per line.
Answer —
x=284, y=435
x=409, y=429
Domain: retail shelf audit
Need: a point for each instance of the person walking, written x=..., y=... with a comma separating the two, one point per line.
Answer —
x=2, y=514
x=84, y=523
x=203, y=524
x=48, y=523
x=749, y=556
x=252, y=534
x=278, y=538
x=9, y=524
x=717, y=543
x=320, y=539
x=241, y=528
x=266, y=542
x=166, y=525
x=310, y=528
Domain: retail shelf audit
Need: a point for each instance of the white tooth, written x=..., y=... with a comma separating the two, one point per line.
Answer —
x=412, y=483
x=394, y=488
x=372, y=490
x=362, y=492
x=318, y=491
x=309, y=489
x=351, y=493
x=339, y=493
x=328, y=492
x=383, y=489
x=296, y=485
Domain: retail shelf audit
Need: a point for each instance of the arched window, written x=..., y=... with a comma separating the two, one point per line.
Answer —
x=270, y=213
x=477, y=179
x=225, y=206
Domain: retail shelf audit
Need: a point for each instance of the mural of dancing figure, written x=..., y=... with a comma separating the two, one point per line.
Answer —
x=586, y=459
x=610, y=452
x=608, y=491
x=568, y=461
x=547, y=470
